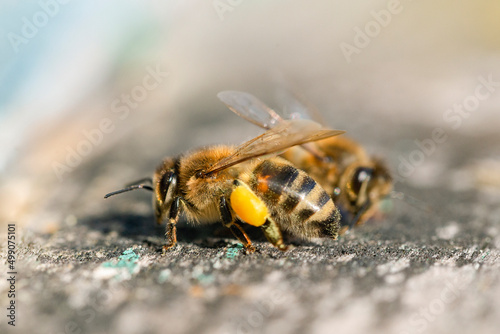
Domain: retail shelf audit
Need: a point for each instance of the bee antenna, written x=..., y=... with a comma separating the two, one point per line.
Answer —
x=129, y=188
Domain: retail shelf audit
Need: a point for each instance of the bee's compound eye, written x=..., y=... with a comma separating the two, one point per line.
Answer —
x=361, y=175
x=165, y=183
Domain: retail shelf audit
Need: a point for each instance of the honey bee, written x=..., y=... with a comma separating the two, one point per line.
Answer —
x=355, y=181
x=248, y=183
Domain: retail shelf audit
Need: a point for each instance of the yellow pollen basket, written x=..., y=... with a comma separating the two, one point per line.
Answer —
x=248, y=206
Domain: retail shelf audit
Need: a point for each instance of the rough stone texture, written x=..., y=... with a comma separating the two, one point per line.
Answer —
x=429, y=267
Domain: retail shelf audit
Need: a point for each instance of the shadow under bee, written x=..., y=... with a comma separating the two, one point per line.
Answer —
x=142, y=229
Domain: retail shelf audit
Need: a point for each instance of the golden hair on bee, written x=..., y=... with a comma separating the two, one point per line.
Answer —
x=232, y=185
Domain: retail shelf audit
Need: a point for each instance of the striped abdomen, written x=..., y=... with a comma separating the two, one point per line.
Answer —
x=297, y=203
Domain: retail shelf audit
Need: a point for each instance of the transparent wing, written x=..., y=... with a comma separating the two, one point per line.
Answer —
x=250, y=108
x=286, y=134
x=296, y=107
x=255, y=111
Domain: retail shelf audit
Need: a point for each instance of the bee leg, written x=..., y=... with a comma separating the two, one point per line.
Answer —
x=173, y=218
x=168, y=180
x=237, y=230
x=241, y=235
x=273, y=233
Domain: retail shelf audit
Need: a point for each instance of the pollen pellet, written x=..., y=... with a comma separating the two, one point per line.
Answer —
x=248, y=206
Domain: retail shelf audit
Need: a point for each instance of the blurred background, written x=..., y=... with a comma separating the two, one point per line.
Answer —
x=94, y=94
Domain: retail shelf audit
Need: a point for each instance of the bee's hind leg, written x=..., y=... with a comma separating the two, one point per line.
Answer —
x=236, y=229
x=239, y=233
x=272, y=232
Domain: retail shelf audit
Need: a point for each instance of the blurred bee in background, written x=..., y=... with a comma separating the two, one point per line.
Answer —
x=233, y=185
x=355, y=181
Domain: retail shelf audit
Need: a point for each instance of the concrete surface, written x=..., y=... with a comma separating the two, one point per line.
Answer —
x=431, y=266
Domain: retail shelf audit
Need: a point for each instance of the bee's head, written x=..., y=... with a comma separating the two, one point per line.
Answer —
x=164, y=183
x=365, y=186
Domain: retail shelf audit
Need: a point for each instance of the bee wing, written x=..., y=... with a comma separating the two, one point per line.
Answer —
x=282, y=136
x=250, y=108
x=296, y=107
